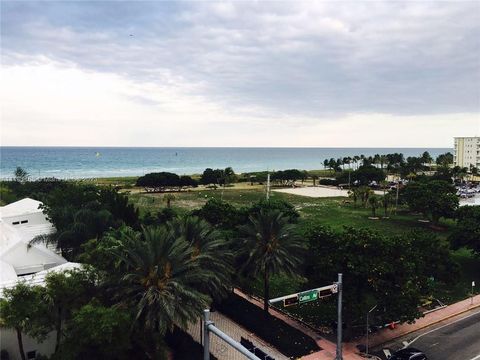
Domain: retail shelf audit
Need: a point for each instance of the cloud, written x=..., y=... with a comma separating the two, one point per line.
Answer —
x=284, y=64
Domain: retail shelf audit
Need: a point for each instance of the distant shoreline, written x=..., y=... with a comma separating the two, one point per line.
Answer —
x=121, y=162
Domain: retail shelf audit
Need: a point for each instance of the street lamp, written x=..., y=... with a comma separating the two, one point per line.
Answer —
x=368, y=327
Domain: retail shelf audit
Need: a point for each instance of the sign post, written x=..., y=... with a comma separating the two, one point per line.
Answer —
x=339, y=320
x=315, y=294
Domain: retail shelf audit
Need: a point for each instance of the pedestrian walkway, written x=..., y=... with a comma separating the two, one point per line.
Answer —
x=328, y=349
x=385, y=335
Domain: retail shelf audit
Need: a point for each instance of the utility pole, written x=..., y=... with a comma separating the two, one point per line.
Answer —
x=339, y=320
x=268, y=186
x=396, y=197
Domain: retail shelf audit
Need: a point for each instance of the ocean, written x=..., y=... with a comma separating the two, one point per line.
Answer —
x=94, y=162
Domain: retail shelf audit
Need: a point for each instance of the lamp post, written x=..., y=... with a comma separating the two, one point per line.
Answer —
x=368, y=327
x=473, y=285
x=339, y=320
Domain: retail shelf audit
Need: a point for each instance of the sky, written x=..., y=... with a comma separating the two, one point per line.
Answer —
x=242, y=73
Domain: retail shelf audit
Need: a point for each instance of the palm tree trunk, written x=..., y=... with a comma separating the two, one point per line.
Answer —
x=20, y=343
x=266, y=291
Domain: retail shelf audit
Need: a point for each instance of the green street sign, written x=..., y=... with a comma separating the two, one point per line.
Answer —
x=307, y=296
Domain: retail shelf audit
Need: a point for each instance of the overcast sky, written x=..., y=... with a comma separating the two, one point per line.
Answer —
x=245, y=73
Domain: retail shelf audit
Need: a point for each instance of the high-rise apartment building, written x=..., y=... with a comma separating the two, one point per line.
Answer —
x=467, y=152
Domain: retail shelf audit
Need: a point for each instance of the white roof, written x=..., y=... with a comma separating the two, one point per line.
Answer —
x=21, y=207
x=7, y=273
x=38, y=278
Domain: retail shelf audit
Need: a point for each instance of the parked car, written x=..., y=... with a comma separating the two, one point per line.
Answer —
x=408, y=354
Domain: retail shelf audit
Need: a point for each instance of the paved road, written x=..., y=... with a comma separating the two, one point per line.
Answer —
x=455, y=339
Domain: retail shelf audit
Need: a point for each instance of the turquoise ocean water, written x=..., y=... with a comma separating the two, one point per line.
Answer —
x=92, y=162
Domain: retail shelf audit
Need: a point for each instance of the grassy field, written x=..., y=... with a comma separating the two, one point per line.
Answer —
x=334, y=212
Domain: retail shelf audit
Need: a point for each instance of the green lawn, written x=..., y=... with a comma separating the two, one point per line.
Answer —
x=333, y=212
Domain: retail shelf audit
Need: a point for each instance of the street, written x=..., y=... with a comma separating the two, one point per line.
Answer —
x=453, y=339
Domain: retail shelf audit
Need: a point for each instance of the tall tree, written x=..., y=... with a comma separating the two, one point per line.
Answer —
x=66, y=292
x=433, y=198
x=161, y=277
x=20, y=174
x=271, y=245
x=22, y=309
x=209, y=242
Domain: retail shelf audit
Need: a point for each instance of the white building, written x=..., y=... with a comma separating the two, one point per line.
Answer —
x=467, y=152
x=20, y=222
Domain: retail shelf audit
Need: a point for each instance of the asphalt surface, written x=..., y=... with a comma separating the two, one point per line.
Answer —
x=454, y=339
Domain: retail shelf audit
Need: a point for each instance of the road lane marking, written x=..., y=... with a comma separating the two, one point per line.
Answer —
x=476, y=357
x=441, y=327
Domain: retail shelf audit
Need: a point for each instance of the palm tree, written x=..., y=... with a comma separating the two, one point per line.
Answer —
x=207, y=241
x=373, y=201
x=168, y=198
x=386, y=200
x=161, y=278
x=356, y=159
x=271, y=246
x=326, y=164
x=354, y=193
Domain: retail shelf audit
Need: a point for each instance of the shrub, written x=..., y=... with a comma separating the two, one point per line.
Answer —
x=328, y=182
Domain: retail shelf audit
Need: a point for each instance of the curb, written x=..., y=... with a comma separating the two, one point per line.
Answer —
x=429, y=324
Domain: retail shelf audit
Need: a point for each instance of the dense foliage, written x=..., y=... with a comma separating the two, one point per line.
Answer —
x=393, y=272
x=163, y=181
x=467, y=231
x=364, y=175
x=433, y=198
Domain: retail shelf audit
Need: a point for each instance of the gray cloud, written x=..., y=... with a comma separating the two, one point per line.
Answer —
x=312, y=59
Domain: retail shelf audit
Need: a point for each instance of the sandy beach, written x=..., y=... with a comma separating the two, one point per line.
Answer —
x=319, y=191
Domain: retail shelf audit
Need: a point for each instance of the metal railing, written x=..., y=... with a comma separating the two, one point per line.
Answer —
x=208, y=327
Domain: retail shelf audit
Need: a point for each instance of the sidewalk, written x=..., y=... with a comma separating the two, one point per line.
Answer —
x=386, y=335
x=328, y=349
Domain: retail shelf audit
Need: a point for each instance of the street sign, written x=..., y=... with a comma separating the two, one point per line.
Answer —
x=325, y=293
x=290, y=301
x=307, y=296
x=334, y=288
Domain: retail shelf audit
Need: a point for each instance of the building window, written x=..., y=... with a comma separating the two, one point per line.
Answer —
x=31, y=354
x=24, y=222
x=15, y=222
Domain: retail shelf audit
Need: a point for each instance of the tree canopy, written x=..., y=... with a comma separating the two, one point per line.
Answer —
x=433, y=198
x=163, y=181
x=392, y=272
x=467, y=231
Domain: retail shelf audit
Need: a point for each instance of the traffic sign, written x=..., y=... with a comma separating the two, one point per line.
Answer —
x=325, y=293
x=293, y=300
x=335, y=288
x=307, y=296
